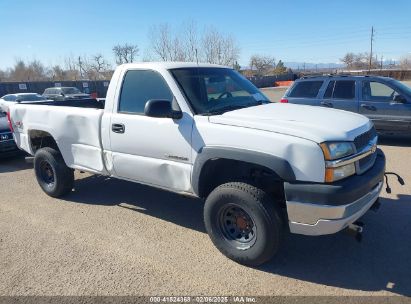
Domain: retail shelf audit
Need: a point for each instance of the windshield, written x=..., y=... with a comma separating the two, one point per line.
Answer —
x=71, y=91
x=217, y=90
x=30, y=97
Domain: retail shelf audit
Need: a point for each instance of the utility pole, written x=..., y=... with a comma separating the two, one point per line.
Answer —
x=381, y=61
x=80, y=64
x=371, y=41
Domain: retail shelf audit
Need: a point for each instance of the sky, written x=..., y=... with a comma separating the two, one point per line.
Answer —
x=309, y=31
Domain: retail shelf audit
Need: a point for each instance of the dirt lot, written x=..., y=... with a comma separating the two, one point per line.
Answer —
x=112, y=237
x=274, y=93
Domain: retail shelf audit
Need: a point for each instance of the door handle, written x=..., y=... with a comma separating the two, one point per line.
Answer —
x=118, y=128
x=327, y=104
x=368, y=107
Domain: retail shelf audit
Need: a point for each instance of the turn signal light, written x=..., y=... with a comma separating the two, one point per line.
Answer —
x=284, y=100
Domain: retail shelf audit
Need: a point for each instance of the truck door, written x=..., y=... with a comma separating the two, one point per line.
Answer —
x=341, y=94
x=377, y=103
x=154, y=151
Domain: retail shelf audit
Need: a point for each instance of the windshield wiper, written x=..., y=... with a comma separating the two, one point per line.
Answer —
x=224, y=109
x=232, y=108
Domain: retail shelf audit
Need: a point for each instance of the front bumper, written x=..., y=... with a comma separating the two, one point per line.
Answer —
x=317, y=209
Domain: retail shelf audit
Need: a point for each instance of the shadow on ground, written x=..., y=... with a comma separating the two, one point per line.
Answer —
x=14, y=163
x=100, y=190
x=381, y=262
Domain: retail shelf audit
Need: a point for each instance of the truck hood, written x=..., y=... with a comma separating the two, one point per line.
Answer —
x=313, y=123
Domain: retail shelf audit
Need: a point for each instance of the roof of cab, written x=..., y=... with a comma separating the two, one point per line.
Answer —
x=170, y=65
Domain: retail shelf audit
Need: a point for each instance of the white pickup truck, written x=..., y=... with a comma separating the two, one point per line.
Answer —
x=206, y=131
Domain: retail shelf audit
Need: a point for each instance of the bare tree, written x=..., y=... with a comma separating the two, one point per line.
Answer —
x=36, y=71
x=359, y=61
x=349, y=60
x=405, y=62
x=19, y=71
x=219, y=48
x=95, y=67
x=3, y=75
x=125, y=53
x=191, y=42
x=71, y=68
x=165, y=45
x=261, y=64
x=212, y=46
x=57, y=73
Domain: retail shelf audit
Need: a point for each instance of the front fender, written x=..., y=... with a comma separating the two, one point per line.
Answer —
x=280, y=166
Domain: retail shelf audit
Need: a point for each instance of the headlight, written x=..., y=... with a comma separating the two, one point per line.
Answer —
x=336, y=150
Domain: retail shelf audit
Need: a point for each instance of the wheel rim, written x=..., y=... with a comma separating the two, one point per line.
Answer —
x=237, y=226
x=47, y=173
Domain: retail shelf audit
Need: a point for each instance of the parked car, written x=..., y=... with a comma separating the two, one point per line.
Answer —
x=9, y=99
x=386, y=101
x=64, y=93
x=7, y=145
x=259, y=166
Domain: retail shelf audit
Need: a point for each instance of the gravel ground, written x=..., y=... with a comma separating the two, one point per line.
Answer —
x=112, y=237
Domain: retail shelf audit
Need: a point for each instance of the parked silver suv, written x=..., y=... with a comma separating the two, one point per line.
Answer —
x=386, y=101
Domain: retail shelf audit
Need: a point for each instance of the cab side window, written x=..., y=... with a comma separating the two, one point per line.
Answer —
x=377, y=91
x=139, y=86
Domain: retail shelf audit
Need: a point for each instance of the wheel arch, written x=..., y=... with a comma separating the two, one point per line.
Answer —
x=232, y=163
x=40, y=139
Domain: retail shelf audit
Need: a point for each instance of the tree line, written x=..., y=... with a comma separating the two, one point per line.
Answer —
x=362, y=61
x=188, y=44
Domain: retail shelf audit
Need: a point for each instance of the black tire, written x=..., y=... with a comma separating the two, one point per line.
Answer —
x=52, y=173
x=243, y=223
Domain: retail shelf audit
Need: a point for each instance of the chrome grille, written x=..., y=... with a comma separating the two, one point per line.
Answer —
x=361, y=142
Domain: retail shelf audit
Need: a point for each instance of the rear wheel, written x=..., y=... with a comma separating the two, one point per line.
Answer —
x=243, y=223
x=52, y=173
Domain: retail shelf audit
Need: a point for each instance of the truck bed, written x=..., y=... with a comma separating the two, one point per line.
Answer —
x=74, y=125
x=77, y=103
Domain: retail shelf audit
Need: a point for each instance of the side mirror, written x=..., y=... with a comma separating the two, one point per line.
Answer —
x=399, y=99
x=161, y=109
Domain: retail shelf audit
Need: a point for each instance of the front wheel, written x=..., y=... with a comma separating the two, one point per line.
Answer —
x=243, y=223
x=52, y=173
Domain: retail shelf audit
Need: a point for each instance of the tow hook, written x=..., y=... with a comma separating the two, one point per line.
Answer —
x=376, y=205
x=355, y=229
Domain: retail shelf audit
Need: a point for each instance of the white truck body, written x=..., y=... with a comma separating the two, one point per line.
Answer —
x=165, y=152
